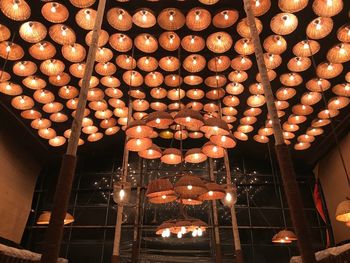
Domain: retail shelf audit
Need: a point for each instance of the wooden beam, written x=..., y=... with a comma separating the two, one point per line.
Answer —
x=235, y=232
x=218, y=254
x=290, y=184
x=54, y=233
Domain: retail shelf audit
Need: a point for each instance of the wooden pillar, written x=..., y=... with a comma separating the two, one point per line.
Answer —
x=118, y=225
x=290, y=185
x=136, y=236
x=235, y=232
x=54, y=233
x=218, y=254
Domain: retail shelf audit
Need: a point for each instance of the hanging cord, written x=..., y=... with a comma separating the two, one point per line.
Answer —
x=273, y=170
x=330, y=119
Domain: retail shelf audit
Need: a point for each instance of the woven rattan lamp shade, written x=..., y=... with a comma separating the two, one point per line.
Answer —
x=291, y=79
x=300, y=109
x=112, y=130
x=57, y=141
x=292, y=6
x=219, y=42
x=215, y=192
x=189, y=185
x=24, y=68
x=139, y=144
x=171, y=19
x=338, y=102
x=125, y=62
x=272, y=61
x=146, y=43
x=213, y=151
x=147, y=63
x=225, y=18
x=119, y=19
x=154, y=152
x=256, y=100
x=319, y=27
x=238, y=76
x=138, y=129
x=244, y=46
x=171, y=156
x=284, y=23
x=219, y=63
x=339, y=53
x=32, y=31
x=296, y=119
x=33, y=82
x=42, y=50
x=82, y=3
x=55, y=12
x=73, y=52
x=102, y=38
x=159, y=187
x=60, y=79
x=11, y=51
x=298, y=64
x=198, y=19
x=327, y=70
x=195, y=155
x=194, y=63
x=311, y=98
x=103, y=54
x=306, y=48
x=62, y=34
x=47, y=133
x=318, y=84
x=343, y=33
x=17, y=10
x=189, y=118
x=85, y=18
x=275, y=44
x=243, y=27
x=44, y=218
x=225, y=141
x=169, y=40
x=5, y=33
x=144, y=18
x=22, y=102
x=342, y=89
x=40, y=123
x=120, y=42
x=169, y=63
x=328, y=8
x=193, y=43
x=10, y=88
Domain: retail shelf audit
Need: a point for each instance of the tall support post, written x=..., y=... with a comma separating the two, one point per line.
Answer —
x=218, y=255
x=118, y=225
x=54, y=233
x=283, y=155
x=136, y=236
x=235, y=232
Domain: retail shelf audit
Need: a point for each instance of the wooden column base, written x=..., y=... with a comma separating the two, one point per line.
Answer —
x=218, y=256
x=115, y=259
x=239, y=256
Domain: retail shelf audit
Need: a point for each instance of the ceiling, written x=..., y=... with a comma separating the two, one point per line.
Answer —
x=207, y=71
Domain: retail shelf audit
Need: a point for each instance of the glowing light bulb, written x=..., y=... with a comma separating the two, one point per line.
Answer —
x=138, y=129
x=330, y=67
x=188, y=119
x=53, y=8
x=163, y=197
x=120, y=16
x=8, y=86
x=194, y=233
x=144, y=16
x=189, y=187
x=200, y=232
x=197, y=17
x=138, y=142
x=121, y=194
x=171, y=17
x=183, y=230
x=179, y=235
x=210, y=193
x=163, y=234
x=225, y=15
x=228, y=197
x=215, y=149
x=8, y=48
x=257, y=3
x=192, y=39
x=223, y=138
